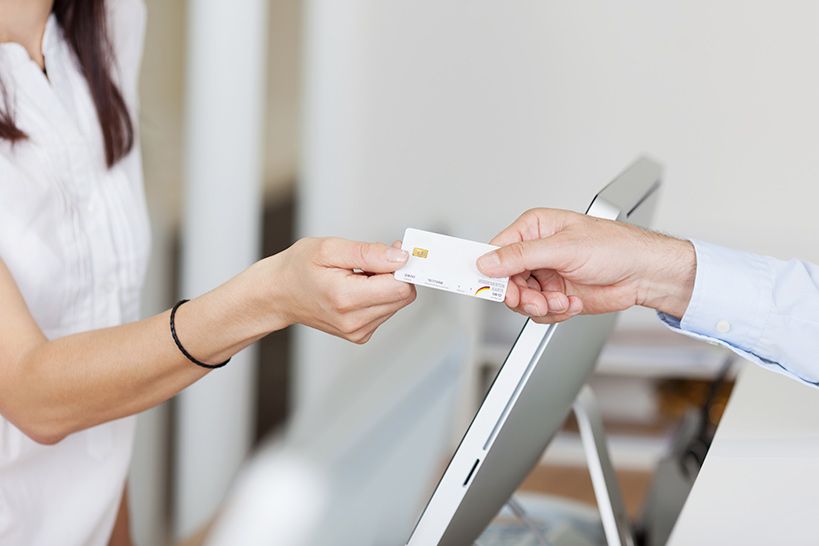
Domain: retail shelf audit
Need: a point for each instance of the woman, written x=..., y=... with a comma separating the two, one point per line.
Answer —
x=75, y=365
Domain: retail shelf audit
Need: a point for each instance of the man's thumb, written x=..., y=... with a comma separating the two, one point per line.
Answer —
x=516, y=258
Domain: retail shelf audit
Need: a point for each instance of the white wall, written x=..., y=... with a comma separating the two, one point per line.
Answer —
x=434, y=110
x=458, y=116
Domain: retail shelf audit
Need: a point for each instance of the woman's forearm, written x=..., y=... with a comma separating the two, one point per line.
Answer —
x=50, y=389
x=82, y=380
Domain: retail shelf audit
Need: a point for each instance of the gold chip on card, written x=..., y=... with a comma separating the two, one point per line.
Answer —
x=420, y=252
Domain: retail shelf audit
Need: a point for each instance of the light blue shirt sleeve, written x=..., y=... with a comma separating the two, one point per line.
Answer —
x=764, y=309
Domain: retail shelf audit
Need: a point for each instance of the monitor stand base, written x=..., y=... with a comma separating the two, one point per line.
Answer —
x=610, y=505
x=517, y=509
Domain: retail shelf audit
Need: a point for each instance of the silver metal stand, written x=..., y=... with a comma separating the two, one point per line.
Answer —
x=616, y=526
x=606, y=489
x=520, y=513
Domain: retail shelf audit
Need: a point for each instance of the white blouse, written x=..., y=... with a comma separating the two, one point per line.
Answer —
x=75, y=236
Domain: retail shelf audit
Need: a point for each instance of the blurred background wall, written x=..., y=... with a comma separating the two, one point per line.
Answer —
x=457, y=117
x=162, y=123
x=439, y=115
x=430, y=111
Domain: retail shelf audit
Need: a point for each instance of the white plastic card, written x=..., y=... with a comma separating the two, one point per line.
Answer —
x=448, y=263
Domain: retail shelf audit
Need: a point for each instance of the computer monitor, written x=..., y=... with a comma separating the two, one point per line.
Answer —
x=357, y=467
x=531, y=395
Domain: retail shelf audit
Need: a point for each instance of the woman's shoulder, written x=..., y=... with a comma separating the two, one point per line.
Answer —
x=126, y=30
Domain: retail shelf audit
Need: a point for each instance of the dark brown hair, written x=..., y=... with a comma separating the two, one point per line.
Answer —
x=84, y=23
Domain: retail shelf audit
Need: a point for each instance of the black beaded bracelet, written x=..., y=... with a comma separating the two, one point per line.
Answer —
x=179, y=343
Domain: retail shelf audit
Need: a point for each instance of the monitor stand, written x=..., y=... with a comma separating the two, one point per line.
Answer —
x=613, y=515
x=604, y=480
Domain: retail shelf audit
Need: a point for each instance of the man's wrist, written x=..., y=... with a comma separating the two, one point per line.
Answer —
x=668, y=281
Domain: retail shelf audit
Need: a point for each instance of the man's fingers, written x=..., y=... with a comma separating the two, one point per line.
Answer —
x=507, y=237
x=575, y=308
x=369, y=257
x=538, y=304
x=550, y=280
x=523, y=229
x=534, y=224
x=533, y=302
x=521, y=279
x=512, y=299
x=558, y=302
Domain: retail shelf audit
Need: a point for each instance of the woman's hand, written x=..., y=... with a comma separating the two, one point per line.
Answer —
x=341, y=287
x=564, y=263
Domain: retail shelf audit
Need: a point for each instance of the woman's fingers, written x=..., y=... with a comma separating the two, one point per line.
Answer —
x=366, y=332
x=361, y=291
x=364, y=322
x=370, y=314
x=345, y=288
x=369, y=257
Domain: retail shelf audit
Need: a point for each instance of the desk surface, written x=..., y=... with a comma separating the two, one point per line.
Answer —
x=760, y=480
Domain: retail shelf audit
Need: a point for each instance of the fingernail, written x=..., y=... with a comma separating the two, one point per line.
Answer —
x=396, y=255
x=531, y=310
x=488, y=262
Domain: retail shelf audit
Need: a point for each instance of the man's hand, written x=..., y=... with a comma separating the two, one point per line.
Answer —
x=563, y=264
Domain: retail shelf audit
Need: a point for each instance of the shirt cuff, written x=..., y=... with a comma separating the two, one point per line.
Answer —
x=733, y=304
x=731, y=300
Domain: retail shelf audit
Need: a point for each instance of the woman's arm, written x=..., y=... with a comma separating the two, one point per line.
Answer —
x=51, y=388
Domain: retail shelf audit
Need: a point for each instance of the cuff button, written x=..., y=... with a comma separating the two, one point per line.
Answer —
x=723, y=327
